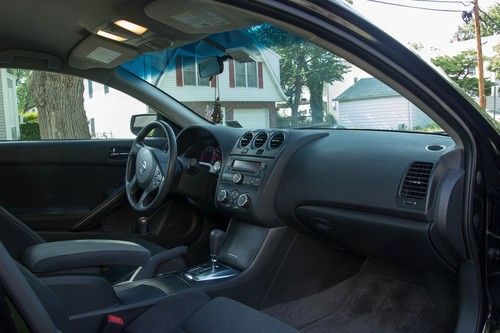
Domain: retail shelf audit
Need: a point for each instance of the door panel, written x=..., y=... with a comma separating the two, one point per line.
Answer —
x=52, y=185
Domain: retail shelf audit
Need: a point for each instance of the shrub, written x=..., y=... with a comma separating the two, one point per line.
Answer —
x=30, y=117
x=29, y=131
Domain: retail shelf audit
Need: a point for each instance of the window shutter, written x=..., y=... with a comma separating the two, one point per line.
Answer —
x=231, y=73
x=213, y=81
x=178, y=71
x=259, y=75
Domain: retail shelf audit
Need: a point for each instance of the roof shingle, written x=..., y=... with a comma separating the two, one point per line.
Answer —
x=366, y=88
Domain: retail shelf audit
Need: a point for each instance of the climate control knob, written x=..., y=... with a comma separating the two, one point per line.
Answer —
x=237, y=178
x=243, y=201
x=223, y=196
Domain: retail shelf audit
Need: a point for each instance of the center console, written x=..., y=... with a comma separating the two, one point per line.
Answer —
x=246, y=170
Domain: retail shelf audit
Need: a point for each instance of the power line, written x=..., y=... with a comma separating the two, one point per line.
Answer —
x=416, y=7
x=465, y=3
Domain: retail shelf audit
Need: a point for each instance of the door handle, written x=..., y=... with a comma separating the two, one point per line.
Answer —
x=115, y=154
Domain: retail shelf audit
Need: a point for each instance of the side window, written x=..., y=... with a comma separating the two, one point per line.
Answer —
x=38, y=105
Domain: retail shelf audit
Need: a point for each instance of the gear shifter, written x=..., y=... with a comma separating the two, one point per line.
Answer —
x=216, y=240
x=212, y=270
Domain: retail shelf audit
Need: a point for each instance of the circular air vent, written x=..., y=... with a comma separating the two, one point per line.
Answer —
x=277, y=140
x=435, y=147
x=260, y=139
x=245, y=139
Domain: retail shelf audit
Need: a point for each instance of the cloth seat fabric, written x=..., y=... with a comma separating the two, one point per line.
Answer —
x=192, y=311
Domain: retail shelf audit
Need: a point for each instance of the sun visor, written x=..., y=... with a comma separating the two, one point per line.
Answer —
x=97, y=52
x=191, y=17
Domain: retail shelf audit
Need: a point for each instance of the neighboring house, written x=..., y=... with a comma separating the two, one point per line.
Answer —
x=248, y=94
x=248, y=91
x=9, y=118
x=369, y=103
x=109, y=111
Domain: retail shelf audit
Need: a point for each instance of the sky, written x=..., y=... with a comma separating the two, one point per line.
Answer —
x=414, y=25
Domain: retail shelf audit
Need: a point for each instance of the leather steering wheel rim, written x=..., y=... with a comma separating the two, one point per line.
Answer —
x=151, y=170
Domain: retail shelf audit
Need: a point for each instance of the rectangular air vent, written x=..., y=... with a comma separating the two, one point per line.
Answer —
x=416, y=181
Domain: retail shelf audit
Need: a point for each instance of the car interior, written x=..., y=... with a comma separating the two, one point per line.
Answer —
x=208, y=228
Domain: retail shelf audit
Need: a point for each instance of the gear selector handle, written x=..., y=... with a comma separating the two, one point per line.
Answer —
x=216, y=240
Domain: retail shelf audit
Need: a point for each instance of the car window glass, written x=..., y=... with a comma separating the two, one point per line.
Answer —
x=38, y=105
x=279, y=80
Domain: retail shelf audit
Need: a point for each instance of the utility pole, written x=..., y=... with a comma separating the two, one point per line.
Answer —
x=479, y=46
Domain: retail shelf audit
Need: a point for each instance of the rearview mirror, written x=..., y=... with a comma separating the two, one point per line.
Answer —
x=138, y=121
x=209, y=67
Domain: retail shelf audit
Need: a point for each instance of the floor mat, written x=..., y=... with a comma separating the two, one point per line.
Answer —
x=380, y=298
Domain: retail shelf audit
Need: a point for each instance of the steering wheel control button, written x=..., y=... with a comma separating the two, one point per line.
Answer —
x=237, y=178
x=243, y=201
x=222, y=196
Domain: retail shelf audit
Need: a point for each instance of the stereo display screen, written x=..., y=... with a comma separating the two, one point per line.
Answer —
x=246, y=165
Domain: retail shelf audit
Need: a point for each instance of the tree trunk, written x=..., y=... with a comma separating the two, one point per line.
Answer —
x=59, y=101
x=316, y=102
x=296, y=100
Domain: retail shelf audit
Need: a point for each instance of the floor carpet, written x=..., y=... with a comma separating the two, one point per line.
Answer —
x=380, y=298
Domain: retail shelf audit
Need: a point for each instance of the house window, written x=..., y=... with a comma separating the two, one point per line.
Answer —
x=190, y=73
x=471, y=71
x=245, y=74
x=106, y=89
x=240, y=74
x=89, y=86
x=252, y=74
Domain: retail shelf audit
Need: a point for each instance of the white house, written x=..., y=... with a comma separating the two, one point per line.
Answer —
x=109, y=111
x=369, y=103
x=9, y=118
x=248, y=91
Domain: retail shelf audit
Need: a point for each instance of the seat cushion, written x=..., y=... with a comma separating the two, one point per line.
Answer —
x=192, y=311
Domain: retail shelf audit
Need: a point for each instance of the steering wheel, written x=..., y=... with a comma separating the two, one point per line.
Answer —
x=151, y=172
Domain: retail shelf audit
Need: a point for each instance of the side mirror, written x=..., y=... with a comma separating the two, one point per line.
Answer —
x=209, y=67
x=138, y=121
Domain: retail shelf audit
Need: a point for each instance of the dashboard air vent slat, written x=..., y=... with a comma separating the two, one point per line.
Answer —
x=246, y=139
x=416, y=181
x=277, y=140
x=260, y=139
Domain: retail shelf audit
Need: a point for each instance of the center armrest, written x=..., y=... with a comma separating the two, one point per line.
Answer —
x=65, y=255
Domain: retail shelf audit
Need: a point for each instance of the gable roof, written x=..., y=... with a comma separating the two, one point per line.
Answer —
x=366, y=88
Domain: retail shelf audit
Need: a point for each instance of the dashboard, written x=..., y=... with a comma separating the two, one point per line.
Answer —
x=368, y=191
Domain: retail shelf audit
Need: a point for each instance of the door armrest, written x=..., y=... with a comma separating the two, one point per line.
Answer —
x=66, y=255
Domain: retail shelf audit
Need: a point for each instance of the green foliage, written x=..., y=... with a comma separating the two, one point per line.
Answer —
x=488, y=28
x=29, y=131
x=30, y=117
x=429, y=128
x=302, y=64
x=22, y=88
x=495, y=61
x=459, y=67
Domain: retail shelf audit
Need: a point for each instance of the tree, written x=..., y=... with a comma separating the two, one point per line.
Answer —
x=22, y=88
x=302, y=64
x=59, y=101
x=495, y=61
x=460, y=69
x=488, y=28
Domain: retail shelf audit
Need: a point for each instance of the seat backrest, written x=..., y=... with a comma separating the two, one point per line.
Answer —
x=15, y=235
x=37, y=304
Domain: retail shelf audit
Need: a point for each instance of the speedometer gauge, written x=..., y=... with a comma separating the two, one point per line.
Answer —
x=210, y=155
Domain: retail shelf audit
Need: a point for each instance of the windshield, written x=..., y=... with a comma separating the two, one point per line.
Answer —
x=274, y=79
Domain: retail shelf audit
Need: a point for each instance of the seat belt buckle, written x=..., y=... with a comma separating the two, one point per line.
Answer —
x=112, y=324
